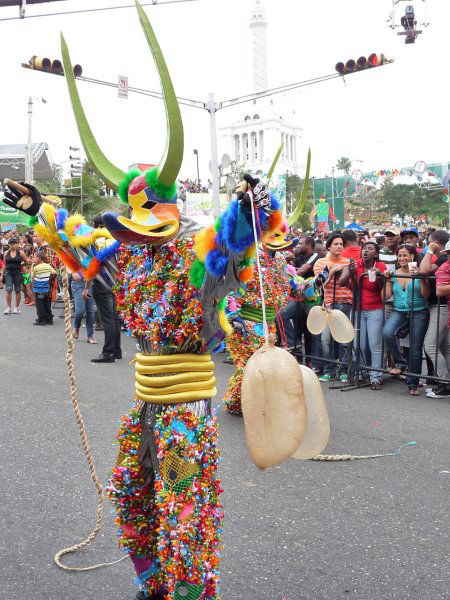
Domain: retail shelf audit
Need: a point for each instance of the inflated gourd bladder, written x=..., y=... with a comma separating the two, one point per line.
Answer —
x=273, y=406
x=317, y=320
x=317, y=432
x=341, y=327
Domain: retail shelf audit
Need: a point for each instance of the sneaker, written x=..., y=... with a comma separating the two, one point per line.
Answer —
x=343, y=378
x=7, y=311
x=325, y=377
x=428, y=389
x=440, y=391
x=16, y=311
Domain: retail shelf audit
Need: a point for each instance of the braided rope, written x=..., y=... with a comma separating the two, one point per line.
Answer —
x=337, y=457
x=84, y=441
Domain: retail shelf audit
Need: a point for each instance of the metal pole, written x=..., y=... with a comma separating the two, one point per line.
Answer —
x=198, y=170
x=28, y=152
x=211, y=107
x=332, y=196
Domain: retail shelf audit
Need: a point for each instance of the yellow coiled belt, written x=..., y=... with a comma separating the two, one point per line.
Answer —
x=174, y=378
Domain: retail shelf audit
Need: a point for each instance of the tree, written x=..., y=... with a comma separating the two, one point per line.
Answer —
x=94, y=199
x=413, y=200
x=344, y=164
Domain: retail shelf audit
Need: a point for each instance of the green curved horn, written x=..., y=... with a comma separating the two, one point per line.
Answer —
x=273, y=165
x=111, y=174
x=170, y=164
x=302, y=199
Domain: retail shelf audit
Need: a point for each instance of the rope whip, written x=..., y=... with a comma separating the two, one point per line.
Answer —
x=84, y=440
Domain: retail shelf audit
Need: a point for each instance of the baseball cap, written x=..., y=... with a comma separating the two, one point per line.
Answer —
x=393, y=230
x=410, y=230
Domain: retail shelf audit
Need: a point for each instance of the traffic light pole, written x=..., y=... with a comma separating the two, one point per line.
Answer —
x=211, y=107
x=28, y=151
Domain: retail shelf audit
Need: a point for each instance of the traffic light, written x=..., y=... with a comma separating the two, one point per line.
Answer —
x=374, y=60
x=42, y=63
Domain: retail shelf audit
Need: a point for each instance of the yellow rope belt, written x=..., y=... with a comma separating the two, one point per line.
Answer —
x=174, y=378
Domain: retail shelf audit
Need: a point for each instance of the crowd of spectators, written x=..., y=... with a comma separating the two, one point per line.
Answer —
x=193, y=185
x=30, y=268
x=397, y=282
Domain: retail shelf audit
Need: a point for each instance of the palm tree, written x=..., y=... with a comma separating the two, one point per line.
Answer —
x=344, y=164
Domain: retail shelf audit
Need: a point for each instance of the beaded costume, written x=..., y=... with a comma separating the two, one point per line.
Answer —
x=248, y=334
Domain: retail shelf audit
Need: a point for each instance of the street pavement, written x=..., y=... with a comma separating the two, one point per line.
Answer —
x=363, y=530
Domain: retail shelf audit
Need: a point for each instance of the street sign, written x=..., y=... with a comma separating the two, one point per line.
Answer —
x=122, y=88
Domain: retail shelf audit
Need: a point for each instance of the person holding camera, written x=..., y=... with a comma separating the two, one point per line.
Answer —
x=371, y=305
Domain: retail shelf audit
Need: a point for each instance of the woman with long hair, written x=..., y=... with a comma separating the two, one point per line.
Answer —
x=410, y=308
x=369, y=272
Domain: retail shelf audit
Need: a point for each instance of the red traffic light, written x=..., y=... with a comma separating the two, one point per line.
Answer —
x=374, y=60
x=39, y=63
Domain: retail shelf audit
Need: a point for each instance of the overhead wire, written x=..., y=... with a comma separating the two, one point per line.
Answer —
x=90, y=10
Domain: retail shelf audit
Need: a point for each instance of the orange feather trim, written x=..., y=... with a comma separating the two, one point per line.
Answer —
x=246, y=274
x=69, y=261
x=275, y=220
x=93, y=269
x=204, y=242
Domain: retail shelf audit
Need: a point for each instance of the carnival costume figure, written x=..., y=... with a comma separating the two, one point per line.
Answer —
x=247, y=320
x=171, y=289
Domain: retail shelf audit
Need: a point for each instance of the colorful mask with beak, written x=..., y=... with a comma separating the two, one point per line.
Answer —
x=151, y=196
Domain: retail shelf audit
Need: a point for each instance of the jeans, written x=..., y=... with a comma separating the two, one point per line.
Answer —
x=83, y=306
x=371, y=336
x=418, y=328
x=43, y=302
x=289, y=315
x=333, y=350
x=439, y=339
x=13, y=279
x=106, y=306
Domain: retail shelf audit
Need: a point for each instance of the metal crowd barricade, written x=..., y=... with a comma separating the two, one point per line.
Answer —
x=356, y=364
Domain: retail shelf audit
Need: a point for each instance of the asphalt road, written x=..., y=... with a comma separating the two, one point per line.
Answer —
x=365, y=530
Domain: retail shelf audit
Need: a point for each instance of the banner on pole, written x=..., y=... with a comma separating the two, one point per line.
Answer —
x=122, y=88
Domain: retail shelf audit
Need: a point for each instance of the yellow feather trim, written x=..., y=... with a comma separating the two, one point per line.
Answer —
x=51, y=238
x=204, y=242
x=224, y=322
x=72, y=222
x=250, y=252
x=49, y=213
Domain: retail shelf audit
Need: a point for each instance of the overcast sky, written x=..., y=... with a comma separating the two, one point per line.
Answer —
x=388, y=117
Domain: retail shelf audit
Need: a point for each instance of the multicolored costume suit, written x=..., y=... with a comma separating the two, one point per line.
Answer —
x=248, y=334
x=172, y=281
x=324, y=212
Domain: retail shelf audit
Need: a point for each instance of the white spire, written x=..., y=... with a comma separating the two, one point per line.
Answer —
x=258, y=26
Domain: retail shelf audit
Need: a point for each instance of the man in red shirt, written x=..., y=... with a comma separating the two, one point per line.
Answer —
x=352, y=249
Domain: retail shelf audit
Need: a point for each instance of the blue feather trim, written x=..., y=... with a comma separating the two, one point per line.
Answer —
x=61, y=216
x=274, y=203
x=105, y=253
x=216, y=263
